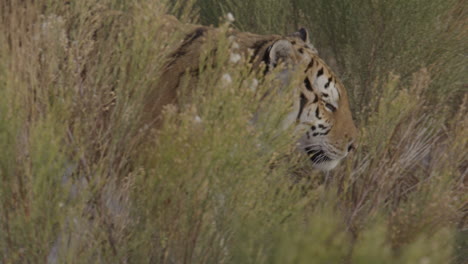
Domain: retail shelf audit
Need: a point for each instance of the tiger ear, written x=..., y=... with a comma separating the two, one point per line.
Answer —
x=281, y=51
x=302, y=34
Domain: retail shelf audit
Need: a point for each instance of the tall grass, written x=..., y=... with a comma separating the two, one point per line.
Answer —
x=86, y=178
x=365, y=40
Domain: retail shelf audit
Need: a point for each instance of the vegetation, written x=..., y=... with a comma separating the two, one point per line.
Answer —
x=86, y=179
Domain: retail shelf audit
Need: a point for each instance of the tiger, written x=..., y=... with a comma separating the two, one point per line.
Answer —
x=320, y=110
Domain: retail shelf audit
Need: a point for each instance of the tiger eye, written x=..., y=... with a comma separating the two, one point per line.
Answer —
x=331, y=107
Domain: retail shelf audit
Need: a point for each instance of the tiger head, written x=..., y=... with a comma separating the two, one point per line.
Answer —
x=321, y=110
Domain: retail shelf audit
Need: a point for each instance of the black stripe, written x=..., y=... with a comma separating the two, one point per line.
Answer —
x=313, y=128
x=325, y=133
x=320, y=72
x=182, y=50
x=321, y=126
x=311, y=64
x=266, y=59
x=301, y=106
x=315, y=99
x=324, y=94
x=257, y=47
x=308, y=85
x=193, y=36
x=328, y=83
x=317, y=113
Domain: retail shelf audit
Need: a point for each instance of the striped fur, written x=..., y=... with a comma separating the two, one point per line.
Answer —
x=321, y=112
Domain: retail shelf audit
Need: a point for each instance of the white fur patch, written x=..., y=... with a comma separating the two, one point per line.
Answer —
x=327, y=165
